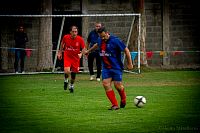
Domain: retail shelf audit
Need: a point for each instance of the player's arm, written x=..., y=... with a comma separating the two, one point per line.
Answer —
x=83, y=48
x=129, y=60
x=83, y=51
x=26, y=37
x=87, y=45
x=88, y=41
x=94, y=47
x=60, y=50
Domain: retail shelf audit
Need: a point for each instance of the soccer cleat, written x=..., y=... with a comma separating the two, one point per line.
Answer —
x=114, y=107
x=122, y=104
x=71, y=88
x=92, y=77
x=98, y=79
x=65, y=85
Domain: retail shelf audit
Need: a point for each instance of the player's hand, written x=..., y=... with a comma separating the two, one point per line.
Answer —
x=59, y=55
x=130, y=66
x=80, y=55
x=86, y=52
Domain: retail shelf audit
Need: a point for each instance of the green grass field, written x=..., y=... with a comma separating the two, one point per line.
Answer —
x=38, y=104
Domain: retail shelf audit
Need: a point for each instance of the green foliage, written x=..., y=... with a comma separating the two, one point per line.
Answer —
x=38, y=104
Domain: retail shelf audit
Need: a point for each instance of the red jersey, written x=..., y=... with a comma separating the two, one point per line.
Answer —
x=73, y=46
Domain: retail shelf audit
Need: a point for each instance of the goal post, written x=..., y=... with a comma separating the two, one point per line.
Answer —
x=58, y=44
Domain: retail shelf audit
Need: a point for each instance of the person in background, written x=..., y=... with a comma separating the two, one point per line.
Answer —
x=111, y=48
x=73, y=46
x=20, y=38
x=91, y=40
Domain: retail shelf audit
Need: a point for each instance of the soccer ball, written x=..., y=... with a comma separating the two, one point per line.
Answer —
x=139, y=101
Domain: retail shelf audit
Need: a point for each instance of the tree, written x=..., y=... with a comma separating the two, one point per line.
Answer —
x=138, y=6
x=45, y=38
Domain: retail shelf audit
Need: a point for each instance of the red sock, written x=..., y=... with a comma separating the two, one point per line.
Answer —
x=111, y=96
x=122, y=94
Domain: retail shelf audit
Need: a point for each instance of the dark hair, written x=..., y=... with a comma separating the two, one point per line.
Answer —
x=73, y=26
x=102, y=29
x=20, y=26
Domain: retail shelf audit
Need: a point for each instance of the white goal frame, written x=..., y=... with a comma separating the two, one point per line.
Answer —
x=103, y=15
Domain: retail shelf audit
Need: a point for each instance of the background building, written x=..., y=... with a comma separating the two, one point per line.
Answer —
x=170, y=31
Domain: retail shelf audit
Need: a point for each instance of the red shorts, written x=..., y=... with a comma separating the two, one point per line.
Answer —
x=73, y=63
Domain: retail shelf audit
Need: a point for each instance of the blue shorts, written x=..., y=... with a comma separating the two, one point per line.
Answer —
x=116, y=75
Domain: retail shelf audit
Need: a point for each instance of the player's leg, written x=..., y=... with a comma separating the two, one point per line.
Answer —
x=22, y=57
x=107, y=80
x=74, y=70
x=73, y=78
x=98, y=65
x=67, y=70
x=117, y=79
x=16, y=60
x=66, y=77
x=90, y=65
x=120, y=88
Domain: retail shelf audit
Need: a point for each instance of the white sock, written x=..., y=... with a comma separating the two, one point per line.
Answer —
x=66, y=80
x=71, y=85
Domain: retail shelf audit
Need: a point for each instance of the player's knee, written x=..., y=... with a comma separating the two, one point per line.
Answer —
x=105, y=84
x=118, y=85
x=67, y=71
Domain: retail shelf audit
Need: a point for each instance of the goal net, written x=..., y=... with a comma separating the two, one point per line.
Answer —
x=45, y=33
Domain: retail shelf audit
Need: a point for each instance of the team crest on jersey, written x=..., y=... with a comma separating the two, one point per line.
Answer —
x=103, y=53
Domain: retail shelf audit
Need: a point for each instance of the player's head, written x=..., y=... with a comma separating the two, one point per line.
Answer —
x=73, y=31
x=103, y=33
x=21, y=28
x=98, y=25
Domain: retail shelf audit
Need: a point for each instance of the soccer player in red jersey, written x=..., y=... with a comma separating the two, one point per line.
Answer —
x=111, y=48
x=73, y=46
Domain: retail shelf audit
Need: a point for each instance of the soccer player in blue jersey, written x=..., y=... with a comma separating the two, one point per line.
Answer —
x=111, y=48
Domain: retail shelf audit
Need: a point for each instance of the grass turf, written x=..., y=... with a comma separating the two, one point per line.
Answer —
x=38, y=103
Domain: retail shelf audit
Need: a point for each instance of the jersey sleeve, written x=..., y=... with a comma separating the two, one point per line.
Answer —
x=120, y=44
x=89, y=37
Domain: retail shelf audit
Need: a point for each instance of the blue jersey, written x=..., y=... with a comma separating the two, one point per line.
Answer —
x=92, y=38
x=111, y=51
